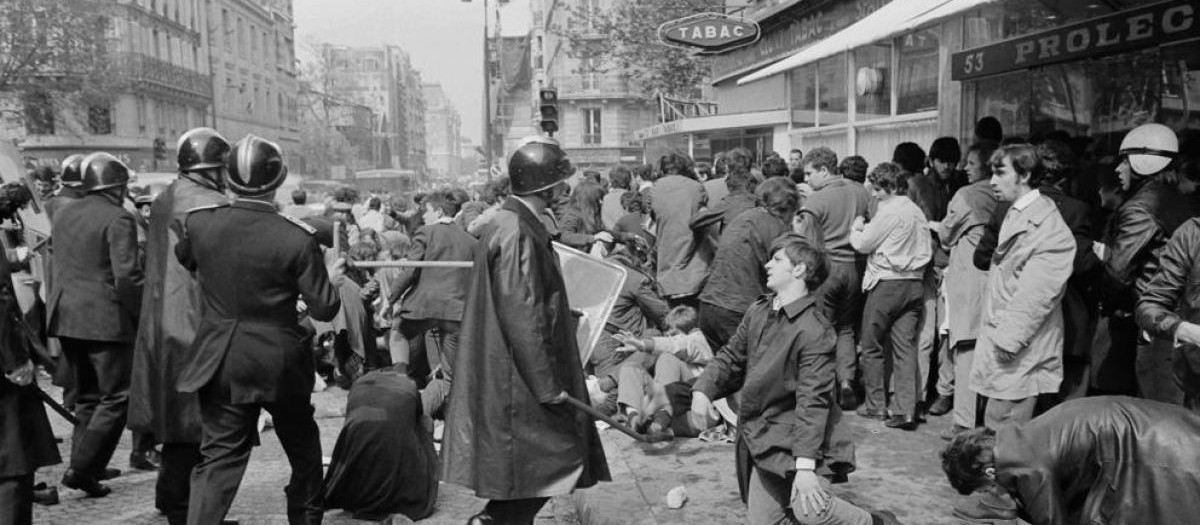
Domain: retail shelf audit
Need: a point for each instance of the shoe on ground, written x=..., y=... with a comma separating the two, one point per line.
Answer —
x=869, y=413
x=949, y=433
x=74, y=480
x=143, y=461
x=110, y=473
x=884, y=517
x=986, y=504
x=901, y=422
x=847, y=399
x=45, y=495
x=941, y=406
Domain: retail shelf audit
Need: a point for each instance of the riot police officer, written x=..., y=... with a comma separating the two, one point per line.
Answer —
x=508, y=435
x=169, y=317
x=252, y=264
x=92, y=309
x=70, y=181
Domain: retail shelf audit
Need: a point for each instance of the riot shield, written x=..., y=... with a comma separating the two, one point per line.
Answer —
x=592, y=288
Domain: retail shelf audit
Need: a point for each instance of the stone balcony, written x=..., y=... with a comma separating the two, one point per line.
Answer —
x=164, y=78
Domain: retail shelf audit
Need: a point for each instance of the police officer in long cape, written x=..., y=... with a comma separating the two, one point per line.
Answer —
x=169, y=318
x=252, y=264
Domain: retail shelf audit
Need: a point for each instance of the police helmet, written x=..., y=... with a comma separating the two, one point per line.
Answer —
x=72, y=171
x=537, y=164
x=102, y=171
x=201, y=149
x=1150, y=148
x=255, y=167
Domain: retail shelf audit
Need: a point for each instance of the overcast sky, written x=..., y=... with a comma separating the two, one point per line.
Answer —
x=443, y=37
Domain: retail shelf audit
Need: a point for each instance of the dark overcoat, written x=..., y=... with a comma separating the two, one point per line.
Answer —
x=252, y=265
x=98, y=278
x=170, y=314
x=1103, y=461
x=518, y=351
x=435, y=293
x=26, y=439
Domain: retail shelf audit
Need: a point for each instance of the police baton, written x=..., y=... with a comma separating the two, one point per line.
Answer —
x=62, y=411
x=587, y=409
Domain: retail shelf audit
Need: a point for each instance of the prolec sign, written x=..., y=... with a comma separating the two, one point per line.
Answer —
x=709, y=32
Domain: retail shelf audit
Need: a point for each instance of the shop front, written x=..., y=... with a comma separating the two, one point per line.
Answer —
x=1087, y=71
x=703, y=137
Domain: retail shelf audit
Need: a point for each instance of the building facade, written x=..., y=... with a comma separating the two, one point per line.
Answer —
x=599, y=109
x=861, y=76
x=443, y=133
x=253, y=62
x=383, y=79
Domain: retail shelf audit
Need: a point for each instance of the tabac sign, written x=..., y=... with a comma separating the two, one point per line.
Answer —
x=709, y=32
x=1130, y=29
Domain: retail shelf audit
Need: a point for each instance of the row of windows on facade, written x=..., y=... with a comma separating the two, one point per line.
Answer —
x=42, y=116
x=253, y=43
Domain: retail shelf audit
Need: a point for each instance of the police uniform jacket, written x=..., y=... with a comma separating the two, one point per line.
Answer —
x=170, y=314
x=97, y=292
x=502, y=439
x=252, y=264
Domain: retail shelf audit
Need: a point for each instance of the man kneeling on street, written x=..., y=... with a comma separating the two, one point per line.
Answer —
x=781, y=359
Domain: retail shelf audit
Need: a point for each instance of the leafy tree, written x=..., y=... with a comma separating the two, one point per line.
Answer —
x=55, y=56
x=625, y=38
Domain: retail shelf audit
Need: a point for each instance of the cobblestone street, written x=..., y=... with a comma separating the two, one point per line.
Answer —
x=896, y=470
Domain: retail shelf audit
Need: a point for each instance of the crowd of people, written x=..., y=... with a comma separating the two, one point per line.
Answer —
x=996, y=284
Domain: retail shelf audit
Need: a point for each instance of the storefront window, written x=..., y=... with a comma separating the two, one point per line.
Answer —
x=983, y=26
x=804, y=96
x=1181, y=90
x=1005, y=97
x=831, y=85
x=917, y=73
x=873, y=65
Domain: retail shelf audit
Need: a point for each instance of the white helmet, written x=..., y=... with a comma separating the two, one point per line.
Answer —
x=1150, y=148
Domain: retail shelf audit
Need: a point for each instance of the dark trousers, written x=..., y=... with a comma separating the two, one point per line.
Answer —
x=16, y=500
x=515, y=511
x=173, y=488
x=892, y=311
x=229, y=435
x=102, y=371
x=842, y=300
x=718, y=324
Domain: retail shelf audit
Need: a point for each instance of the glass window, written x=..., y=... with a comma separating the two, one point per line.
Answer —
x=917, y=72
x=592, y=126
x=804, y=96
x=1005, y=97
x=873, y=65
x=831, y=86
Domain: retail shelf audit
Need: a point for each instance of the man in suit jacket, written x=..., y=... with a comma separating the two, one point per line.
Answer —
x=248, y=352
x=93, y=310
x=433, y=297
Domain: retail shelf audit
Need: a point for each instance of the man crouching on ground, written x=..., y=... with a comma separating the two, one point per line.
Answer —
x=781, y=358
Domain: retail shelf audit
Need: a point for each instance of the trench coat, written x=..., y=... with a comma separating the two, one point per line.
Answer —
x=683, y=254
x=170, y=313
x=1022, y=312
x=517, y=352
x=1103, y=461
x=26, y=439
x=967, y=217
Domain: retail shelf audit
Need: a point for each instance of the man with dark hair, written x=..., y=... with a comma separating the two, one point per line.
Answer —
x=737, y=276
x=781, y=360
x=1090, y=460
x=834, y=205
x=425, y=299
x=854, y=168
x=738, y=198
x=683, y=258
x=1018, y=355
x=898, y=245
x=611, y=211
x=796, y=166
x=774, y=167
x=989, y=129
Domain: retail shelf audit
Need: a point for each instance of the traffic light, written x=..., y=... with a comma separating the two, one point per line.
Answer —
x=548, y=108
x=160, y=149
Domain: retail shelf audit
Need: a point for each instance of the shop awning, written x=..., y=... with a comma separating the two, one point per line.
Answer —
x=897, y=17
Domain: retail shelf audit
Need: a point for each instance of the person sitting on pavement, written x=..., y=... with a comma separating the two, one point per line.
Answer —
x=781, y=360
x=1091, y=460
x=680, y=355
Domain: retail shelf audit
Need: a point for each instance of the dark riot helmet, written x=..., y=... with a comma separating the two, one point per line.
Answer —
x=102, y=171
x=72, y=171
x=254, y=167
x=537, y=164
x=201, y=149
